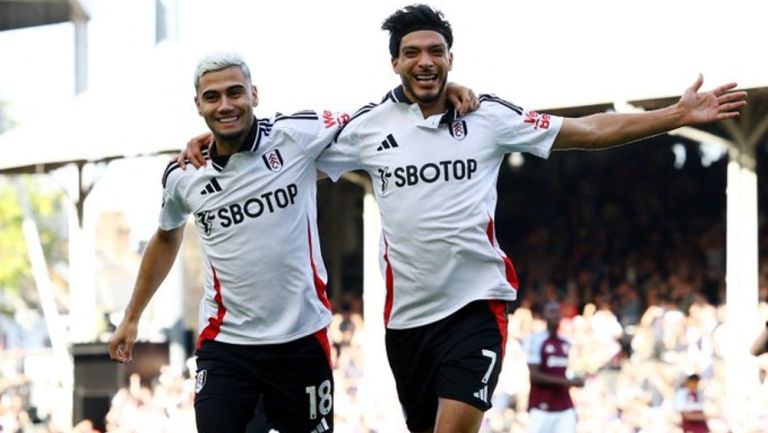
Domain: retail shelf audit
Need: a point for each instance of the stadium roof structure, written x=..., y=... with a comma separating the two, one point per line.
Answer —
x=19, y=14
x=747, y=131
x=80, y=132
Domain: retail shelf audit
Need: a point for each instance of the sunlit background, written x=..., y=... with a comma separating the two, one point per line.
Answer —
x=98, y=101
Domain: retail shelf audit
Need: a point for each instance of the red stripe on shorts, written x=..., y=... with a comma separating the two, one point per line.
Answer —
x=500, y=313
x=322, y=338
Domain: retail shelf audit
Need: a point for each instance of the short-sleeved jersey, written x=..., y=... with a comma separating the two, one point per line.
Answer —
x=256, y=215
x=551, y=355
x=434, y=180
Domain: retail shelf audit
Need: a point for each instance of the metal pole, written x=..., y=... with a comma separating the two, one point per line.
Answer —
x=741, y=281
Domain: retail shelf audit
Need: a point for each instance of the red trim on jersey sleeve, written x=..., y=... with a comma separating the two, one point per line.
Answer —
x=389, y=283
x=322, y=339
x=211, y=330
x=500, y=313
x=319, y=283
x=509, y=268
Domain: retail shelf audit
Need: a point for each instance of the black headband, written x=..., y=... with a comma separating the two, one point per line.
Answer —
x=394, y=39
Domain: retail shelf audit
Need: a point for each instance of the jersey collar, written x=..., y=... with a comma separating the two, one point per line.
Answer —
x=250, y=144
x=398, y=95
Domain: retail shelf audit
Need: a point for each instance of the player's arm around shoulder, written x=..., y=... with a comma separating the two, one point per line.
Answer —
x=312, y=130
x=196, y=151
x=341, y=153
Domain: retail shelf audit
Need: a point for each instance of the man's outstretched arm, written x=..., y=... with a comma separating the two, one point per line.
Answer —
x=602, y=130
x=156, y=261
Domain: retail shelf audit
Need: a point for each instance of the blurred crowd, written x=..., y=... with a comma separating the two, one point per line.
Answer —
x=631, y=374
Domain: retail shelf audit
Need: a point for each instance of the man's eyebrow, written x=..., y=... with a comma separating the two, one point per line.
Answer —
x=229, y=88
x=417, y=47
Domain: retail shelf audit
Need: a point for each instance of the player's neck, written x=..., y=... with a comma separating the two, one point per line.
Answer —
x=230, y=146
x=437, y=107
x=227, y=147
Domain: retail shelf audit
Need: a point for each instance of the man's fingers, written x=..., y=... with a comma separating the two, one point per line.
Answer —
x=724, y=88
x=199, y=161
x=728, y=115
x=733, y=106
x=474, y=103
x=127, y=352
x=460, y=109
x=697, y=84
x=113, y=348
x=732, y=96
x=204, y=138
x=456, y=102
x=120, y=352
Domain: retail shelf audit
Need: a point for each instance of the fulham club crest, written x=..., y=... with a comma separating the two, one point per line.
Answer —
x=200, y=380
x=458, y=129
x=273, y=160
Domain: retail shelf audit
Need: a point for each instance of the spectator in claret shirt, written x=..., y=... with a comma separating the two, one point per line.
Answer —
x=550, y=404
x=688, y=402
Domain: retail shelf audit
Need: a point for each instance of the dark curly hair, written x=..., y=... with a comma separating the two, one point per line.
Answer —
x=413, y=18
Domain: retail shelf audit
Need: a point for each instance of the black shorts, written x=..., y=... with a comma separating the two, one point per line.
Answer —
x=294, y=381
x=457, y=358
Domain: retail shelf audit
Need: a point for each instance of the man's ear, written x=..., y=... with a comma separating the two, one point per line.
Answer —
x=255, y=95
x=394, y=65
x=197, y=104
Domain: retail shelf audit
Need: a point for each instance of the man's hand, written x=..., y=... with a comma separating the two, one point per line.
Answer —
x=462, y=98
x=122, y=341
x=194, y=149
x=717, y=104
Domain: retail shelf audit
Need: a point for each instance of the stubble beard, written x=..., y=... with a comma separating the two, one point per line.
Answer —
x=429, y=99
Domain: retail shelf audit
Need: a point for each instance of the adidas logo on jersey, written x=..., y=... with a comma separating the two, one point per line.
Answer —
x=482, y=394
x=211, y=187
x=388, y=143
x=322, y=427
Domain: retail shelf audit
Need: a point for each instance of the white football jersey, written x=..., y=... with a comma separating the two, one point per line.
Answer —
x=256, y=215
x=434, y=181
